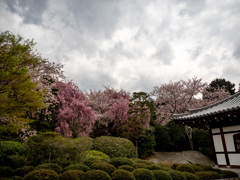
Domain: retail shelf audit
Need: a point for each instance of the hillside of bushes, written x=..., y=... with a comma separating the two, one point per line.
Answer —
x=51, y=156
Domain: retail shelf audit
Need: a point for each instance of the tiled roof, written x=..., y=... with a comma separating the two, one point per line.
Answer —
x=231, y=103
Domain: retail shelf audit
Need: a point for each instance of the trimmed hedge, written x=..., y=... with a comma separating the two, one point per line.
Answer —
x=93, y=154
x=6, y=171
x=228, y=174
x=203, y=175
x=161, y=175
x=190, y=176
x=72, y=175
x=185, y=168
x=81, y=167
x=126, y=167
x=16, y=178
x=177, y=175
x=55, y=167
x=23, y=171
x=118, y=161
x=121, y=174
x=41, y=174
x=115, y=146
x=108, y=168
x=143, y=174
x=96, y=174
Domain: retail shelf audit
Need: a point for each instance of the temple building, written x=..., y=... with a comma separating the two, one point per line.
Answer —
x=223, y=121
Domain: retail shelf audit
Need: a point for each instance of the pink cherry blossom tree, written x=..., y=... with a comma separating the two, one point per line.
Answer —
x=75, y=117
x=178, y=97
x=111, y=109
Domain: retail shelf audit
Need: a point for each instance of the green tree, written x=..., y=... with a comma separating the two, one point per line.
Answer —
x=138, y=119
x=219, y=83
x=18, y=93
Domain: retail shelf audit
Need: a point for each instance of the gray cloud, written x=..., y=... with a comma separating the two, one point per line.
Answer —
x=164, y=53
x=30, y=10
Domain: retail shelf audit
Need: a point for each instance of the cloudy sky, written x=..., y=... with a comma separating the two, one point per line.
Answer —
x=131, y=44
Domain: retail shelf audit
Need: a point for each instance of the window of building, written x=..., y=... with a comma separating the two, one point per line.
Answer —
x=236, y=138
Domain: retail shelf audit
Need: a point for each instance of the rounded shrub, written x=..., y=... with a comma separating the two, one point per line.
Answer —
x=205, y=167
x=143, y=174
x=23, y=170
x=72, y=175
x=197, y=167
x=141, y=165
x=96, y=174
x=115, y=146
x=16, y=178
x=121, y=174
x=89, y=162
x=51, y=166
x=185, y=168
x=85, y=141
x=203, y=175
x=215, y=175
x=41, y=174
x=118, y=161
x=190, y=176
x=228, y=174
x=104, y=167
x=93, y=154
x=177, y=175
x=175, y=165
x=136, y=160
x=6, y=171
x=161, y=175
x=81, y=167
x=126, y=167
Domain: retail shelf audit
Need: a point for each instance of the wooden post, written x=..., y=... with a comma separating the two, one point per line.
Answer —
x=189, y=134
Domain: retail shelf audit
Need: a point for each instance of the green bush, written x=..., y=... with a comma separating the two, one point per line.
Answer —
x=141, y=165
x=154, y=167
x=185, y=168
x=72, y=175
x=161, y=175
x=16, y=161
x=23, y=170
x=197, y=167
x=146, y=145
x=205, y=167
x=81, y=167
x=121, y=174
x=136, y=160
x=126, y=167
x=228, y=174
x=215, y=175
x=115, y=147
x=143, y=174
x=204, y=175
x=177, y=175
x=118, y=161
x=96, y=174
x=89, y=162
x=16, y=178
x=190, y=176
x=6, y=171
x=12, y=154
x=104, y=167
x=93, y=154
x=51, y=166
x=164, y=166
x=3, y=178
x=41, y=174
x=86, y=142
x=175, y=165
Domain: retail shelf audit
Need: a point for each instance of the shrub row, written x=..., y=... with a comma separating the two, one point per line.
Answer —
x=117, y=168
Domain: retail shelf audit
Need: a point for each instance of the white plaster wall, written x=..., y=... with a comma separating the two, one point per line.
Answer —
x=229, y=142
x=231, y=128
x=234, y=159
x=218, y=143
x=216, y=130
x=221, y=160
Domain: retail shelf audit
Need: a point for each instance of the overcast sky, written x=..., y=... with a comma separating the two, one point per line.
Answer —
x=131, y=44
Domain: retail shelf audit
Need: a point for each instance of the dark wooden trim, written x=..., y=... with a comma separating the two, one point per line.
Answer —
x=224, y=146
x=235, y=142
x=213, y=147
x=228, y=132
